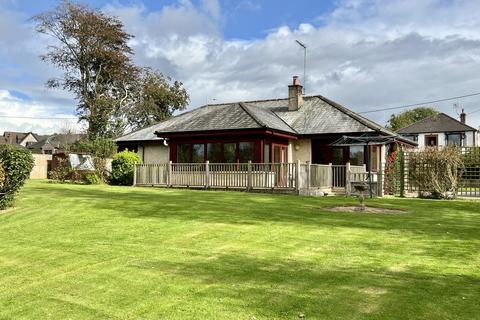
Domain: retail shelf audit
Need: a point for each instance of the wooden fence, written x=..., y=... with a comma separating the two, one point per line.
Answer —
x=252, y=176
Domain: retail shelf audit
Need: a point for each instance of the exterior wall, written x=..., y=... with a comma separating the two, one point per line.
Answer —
x=154, y=153
x=40, y=170
x=300, y=149
x=28, y=138
x=442, y=139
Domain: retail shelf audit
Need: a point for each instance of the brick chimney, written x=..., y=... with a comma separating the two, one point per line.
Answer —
x=463, y=117
x=295, y=97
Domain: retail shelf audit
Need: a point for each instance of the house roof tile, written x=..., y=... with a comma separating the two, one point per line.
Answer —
x=437, y=123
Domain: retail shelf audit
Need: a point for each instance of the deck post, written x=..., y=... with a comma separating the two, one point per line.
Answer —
x=380, y=179
x=249, y=176
x=330, y=175
x=169, y=174
x=207, y=174
x=348, y=184
x=309, y=173
x=297, y=175
x=402, y=173
x=134, y=174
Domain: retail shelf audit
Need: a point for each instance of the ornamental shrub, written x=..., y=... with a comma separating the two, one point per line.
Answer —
x=17, y=163
x=122, y=168
x=92, y=178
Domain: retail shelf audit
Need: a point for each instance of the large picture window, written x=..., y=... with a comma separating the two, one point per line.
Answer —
x=357, y=155
x=198, y=153
x=214, y=152
x=454, y=139
x=230, y=152
x=183, y=153
x=246, y=151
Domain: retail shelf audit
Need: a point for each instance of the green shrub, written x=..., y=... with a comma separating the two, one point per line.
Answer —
x=17, y=163
x=122, y=168
x=92, y=178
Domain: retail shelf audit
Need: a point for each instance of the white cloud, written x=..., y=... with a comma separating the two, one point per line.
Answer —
x=364, y=54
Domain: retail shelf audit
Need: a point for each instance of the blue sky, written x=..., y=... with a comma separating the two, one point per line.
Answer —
x=243, y=19
x=364, y=54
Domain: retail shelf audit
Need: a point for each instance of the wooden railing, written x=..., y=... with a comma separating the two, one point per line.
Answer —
x=252, y=176
x=219, y=175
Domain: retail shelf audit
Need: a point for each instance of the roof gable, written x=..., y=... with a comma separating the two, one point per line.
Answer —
x=437, y=123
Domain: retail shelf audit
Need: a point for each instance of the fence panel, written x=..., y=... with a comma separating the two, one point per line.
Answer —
x=321, y=176
x=151, y=174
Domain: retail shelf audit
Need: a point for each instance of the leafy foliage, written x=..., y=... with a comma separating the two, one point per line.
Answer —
x=61, y=172
x=436, y=171
x=123, y=166
x=98, y=147
x=408, y=117
x=17, y=163
x=392, y=173
x=113, y=93
x=92, y=178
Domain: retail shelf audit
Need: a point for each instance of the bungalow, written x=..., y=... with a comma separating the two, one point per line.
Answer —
x=297, y=128
x=441, y=130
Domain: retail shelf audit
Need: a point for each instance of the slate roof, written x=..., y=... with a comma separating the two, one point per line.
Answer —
x=14, y=137
x=437, y=123
x=318, y=115
x=56, y=140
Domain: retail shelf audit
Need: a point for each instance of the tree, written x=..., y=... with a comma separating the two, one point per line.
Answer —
x=408, y=117
x=92, y=51
x=157, y=99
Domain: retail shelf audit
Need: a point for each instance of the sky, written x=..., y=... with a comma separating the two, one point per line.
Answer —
x=364, y=54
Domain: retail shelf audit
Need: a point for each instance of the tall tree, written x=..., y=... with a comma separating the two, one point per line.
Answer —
x=92, y=51
x=408, y=117
x=156, y=99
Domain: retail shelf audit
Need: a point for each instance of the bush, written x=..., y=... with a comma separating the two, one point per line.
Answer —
x=62, y=171
x=92, y=178
x=122, y=168
x=17, y=163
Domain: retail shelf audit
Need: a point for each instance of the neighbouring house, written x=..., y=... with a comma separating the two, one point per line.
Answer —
x=297, y=128
x=53, y=143
x=441, y=130
x=19, y=138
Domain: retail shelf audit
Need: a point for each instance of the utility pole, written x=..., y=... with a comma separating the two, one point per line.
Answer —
x=304, y=66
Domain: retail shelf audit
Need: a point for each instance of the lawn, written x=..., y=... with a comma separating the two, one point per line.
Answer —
x=100, y=252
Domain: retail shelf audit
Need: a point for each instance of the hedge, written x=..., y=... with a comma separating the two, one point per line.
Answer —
x=17, y=163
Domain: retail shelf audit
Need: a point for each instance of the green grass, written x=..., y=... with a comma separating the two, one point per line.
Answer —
x=99, y=252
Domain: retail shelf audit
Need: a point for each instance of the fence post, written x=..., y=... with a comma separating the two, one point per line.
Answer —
x=134, y=174
x=249, y=175
x=169, y=174
x=309, y=172
x=330, y=175
x=402, y=173
x=348, y=185
x=297, y=175
x=380, y=179
x=207, y=174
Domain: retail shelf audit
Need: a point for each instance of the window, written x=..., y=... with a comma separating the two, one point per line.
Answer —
x=245, y=150
x=431, y=141
x=357, y=155
x=412, y=137
x=454, y=139
x=229, y=152
x=266, y=153
x=214, y=152
x=183, y=153
x=337, y=156
x=198, y=153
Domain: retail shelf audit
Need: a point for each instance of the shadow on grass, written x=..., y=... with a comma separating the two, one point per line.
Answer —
x=286, y=288
x=441, y=219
